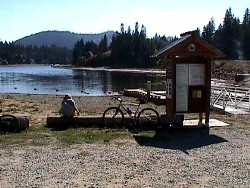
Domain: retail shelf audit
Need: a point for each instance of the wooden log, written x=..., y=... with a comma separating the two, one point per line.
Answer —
x=79, y=121
x=84, y=121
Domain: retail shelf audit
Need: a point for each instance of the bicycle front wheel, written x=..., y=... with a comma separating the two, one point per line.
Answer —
x=113, y=117
x=148, y=119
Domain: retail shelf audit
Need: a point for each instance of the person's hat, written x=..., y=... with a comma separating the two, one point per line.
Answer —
x=67, y=96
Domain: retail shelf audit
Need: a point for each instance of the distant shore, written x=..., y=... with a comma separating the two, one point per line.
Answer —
x=132, y=70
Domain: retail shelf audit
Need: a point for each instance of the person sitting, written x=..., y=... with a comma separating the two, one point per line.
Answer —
x=68, y=107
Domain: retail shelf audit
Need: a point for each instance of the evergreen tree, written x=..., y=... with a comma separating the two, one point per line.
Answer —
x=78, y=52
x=217, y=39
x=246, y=19
x=90, y=46
x=208, y=31
x=19, y=54
x=136, y=44
x=103, y=45
x=122, y=28
x=229, y=35
x=246, y=35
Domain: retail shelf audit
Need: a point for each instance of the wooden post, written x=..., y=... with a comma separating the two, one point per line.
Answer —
x=249, y=100
x=200, y=119
x=224, y=100
x=148, y=90
x=208, y=81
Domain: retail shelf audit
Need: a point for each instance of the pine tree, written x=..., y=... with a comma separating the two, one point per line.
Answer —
x=103, y=45
x=246, y=35
x=246, y=19
x=208, y=31
x=229, y=39
x=78, y=52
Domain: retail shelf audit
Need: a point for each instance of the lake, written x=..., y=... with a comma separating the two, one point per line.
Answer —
x=43, y=79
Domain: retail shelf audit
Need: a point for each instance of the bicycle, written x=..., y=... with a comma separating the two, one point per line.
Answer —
x=9, y=123
x=146, y=118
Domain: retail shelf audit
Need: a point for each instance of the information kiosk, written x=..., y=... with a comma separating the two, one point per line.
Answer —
x=188, y=76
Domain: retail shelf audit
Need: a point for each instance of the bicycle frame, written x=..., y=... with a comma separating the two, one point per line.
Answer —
x=146, y=118
x=132, y=114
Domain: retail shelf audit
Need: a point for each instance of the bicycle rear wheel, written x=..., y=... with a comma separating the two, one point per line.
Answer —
x=113, y=117
x=148, y=119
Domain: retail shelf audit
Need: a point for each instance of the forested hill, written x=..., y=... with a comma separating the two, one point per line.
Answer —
x=62, y=38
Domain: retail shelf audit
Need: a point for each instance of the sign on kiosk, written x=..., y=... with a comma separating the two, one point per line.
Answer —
x=188, y=75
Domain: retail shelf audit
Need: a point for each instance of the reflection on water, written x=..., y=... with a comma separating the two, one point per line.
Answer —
x=49, y=80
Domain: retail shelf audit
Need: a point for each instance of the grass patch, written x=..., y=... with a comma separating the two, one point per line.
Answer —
x=33, y=136
x=42, y=135
x=148, y=134
x=89, y=135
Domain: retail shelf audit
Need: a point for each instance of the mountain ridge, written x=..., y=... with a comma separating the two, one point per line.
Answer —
x=65, y=39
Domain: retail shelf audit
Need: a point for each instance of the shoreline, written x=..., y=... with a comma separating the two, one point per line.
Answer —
x=131, y=70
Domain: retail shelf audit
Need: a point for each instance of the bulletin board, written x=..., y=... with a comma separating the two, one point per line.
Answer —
x=187, y=75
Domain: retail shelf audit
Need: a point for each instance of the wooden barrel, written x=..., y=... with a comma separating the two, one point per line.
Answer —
x=11, y=123
x=23, y=122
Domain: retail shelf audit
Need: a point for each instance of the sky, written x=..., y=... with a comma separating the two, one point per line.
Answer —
x=20, y=18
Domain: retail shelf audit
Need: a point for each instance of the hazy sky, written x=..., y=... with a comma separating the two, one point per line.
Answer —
x=20, y=18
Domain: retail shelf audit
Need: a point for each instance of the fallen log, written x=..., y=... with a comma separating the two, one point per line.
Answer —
x=84, y=121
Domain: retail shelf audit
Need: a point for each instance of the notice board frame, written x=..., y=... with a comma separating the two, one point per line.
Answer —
x=202, y=87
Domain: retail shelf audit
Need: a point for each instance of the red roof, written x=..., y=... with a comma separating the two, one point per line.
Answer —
x=190, y=44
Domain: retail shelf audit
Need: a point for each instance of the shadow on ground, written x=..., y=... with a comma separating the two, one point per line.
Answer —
x=182, y=139
x=63, y=123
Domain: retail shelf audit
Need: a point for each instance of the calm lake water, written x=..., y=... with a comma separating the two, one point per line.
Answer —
x=48, y=80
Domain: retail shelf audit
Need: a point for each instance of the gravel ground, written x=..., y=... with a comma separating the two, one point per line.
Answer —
x=218, y=157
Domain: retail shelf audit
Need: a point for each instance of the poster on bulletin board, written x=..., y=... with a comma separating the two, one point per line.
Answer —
x=196, y=74
x=182, y=87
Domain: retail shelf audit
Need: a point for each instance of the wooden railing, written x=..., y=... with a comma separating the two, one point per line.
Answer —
x=230, y=96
